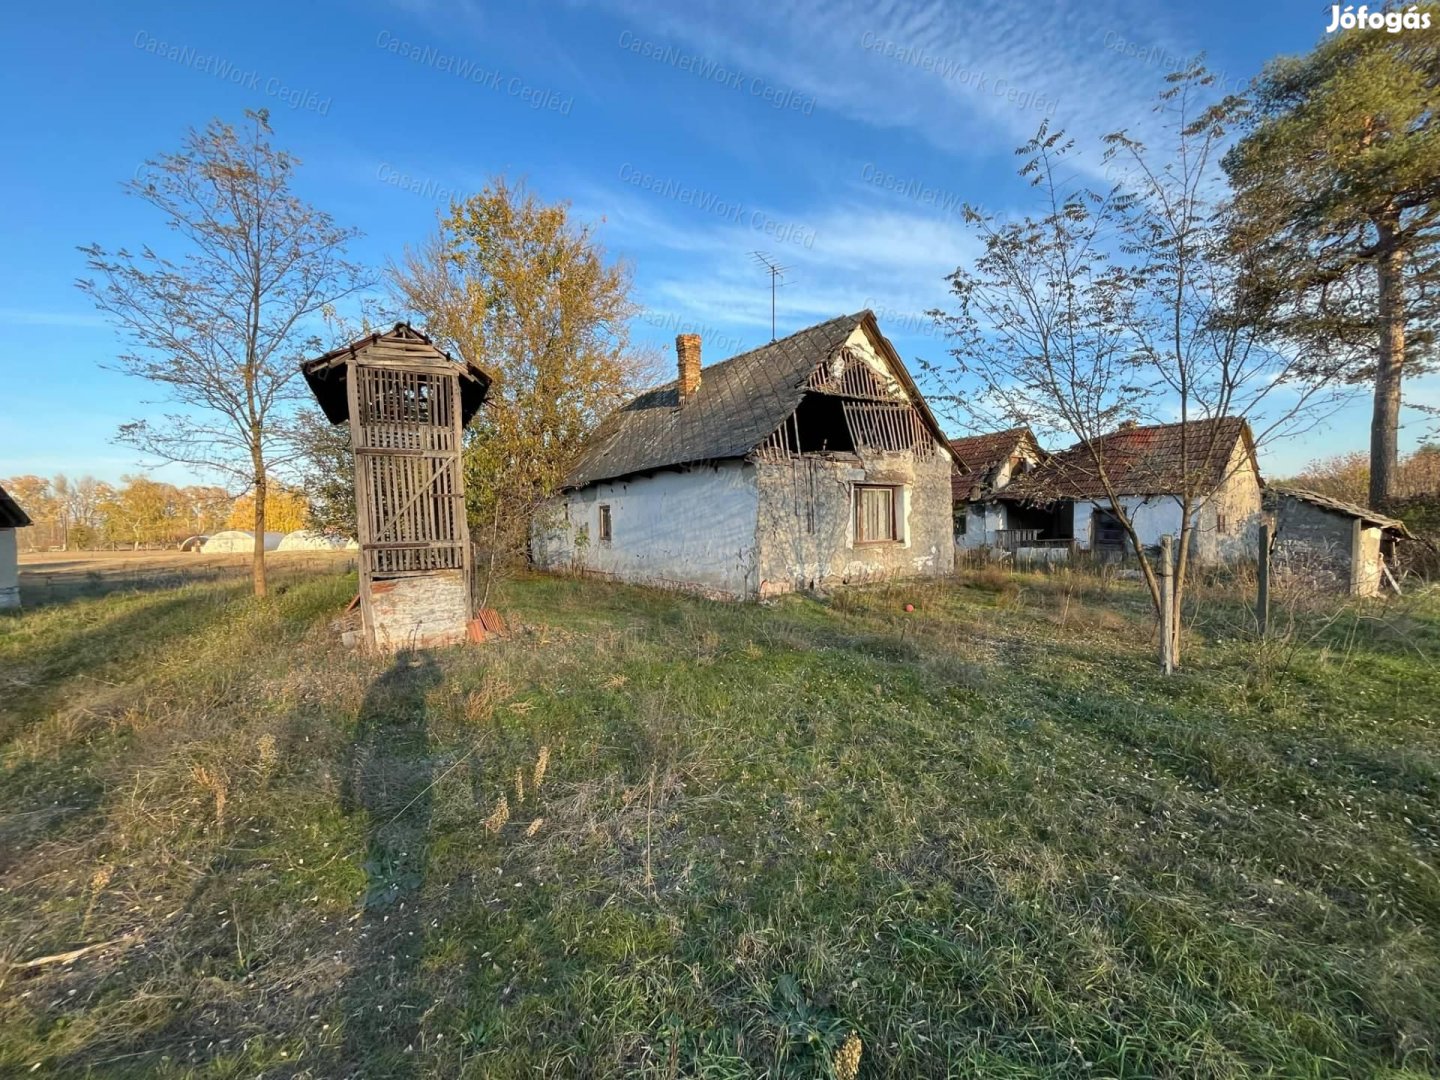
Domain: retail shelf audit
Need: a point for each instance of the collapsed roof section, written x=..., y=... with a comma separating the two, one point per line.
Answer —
x=769, y=400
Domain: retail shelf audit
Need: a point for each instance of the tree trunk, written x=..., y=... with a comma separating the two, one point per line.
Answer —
x=257, y=571
x=1389, y=362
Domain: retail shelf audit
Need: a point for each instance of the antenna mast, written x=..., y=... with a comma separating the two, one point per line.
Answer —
x=777, y=279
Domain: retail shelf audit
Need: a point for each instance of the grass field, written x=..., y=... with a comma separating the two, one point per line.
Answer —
x=48, y=577
x=657, y=836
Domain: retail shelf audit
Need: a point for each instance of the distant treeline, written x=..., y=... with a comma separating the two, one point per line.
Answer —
x=80, y=513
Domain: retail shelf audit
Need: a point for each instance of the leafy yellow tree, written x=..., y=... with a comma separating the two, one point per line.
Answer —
x=144, y=511
x=1347, y=476
x=37, y=498
x=285, y=509
x=519, y=288
x=208, y=508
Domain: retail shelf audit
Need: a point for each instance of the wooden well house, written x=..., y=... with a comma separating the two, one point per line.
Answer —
x=407, y=404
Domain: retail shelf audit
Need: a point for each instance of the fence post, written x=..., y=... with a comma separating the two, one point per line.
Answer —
x=1167, y=604
x=1262, y=582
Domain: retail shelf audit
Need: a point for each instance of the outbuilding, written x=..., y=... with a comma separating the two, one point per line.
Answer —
x=1339, y=543
x=238, y=541
x=11, y=518
x=1039, y=506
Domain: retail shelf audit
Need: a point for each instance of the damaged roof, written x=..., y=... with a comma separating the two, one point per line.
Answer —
x=1325, y=502
x=978, y=456
x=402, y=344
x=739, y=402
x=11, y=516
x=1154, y=460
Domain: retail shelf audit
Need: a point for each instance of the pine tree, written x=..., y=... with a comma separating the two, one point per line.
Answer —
x=1337, y=194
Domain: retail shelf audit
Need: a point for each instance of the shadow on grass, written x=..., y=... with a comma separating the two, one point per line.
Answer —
x=36, y=666
x=388, y=780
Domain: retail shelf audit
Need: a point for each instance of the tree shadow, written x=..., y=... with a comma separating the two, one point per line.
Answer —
x=388, y=779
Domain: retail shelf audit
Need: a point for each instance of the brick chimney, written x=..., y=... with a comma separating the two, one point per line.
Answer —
x=687, y=348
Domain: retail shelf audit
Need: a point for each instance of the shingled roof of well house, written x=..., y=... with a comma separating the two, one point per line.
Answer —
x=1155, y=460
x=740, y=401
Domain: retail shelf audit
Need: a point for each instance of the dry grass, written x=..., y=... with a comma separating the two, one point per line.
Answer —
x=649, y=835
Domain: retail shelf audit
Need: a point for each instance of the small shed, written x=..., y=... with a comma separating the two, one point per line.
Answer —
x=1347, y=543
x=11, y=518
x=407, y=404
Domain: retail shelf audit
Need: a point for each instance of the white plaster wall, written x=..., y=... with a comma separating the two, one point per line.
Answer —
x=808, y=540
x=859, y=340
x=1367, y=576
x=9, y=570
x=1238, y=498
x=1152, y=515
x=694, y=527
x=983, y=521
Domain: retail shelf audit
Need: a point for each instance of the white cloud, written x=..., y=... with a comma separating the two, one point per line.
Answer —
x=967, y=78
x=852, y=254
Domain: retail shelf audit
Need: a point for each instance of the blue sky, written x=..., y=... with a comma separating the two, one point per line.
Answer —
x=698, y=132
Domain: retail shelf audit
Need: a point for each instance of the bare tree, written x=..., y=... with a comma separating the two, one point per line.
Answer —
x=1119, y=305
x=222, y=322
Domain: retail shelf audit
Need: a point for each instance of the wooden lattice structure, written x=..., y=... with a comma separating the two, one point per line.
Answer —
x=876, y=414
x=407, y=404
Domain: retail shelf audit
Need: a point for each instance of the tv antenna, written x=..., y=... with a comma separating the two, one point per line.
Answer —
x=777, y=280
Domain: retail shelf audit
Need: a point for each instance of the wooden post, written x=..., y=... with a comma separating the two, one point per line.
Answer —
x=1357, y=560
x=1262, y=582
x=1167, y=603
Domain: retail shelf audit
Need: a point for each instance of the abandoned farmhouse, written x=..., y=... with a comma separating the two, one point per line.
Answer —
x=808, y=462
x=1012, y=496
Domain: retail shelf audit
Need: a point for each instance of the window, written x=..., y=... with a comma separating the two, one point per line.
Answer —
x=1108, y=531
x=874, y=515
x=962, y=518
x=604, y=530
x=1219, y=522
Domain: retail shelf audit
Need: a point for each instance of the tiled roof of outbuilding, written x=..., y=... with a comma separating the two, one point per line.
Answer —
x=1163, y=459
x=977, y=456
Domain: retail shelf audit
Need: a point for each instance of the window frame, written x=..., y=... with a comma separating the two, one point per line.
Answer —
x=604, y=524
x=858, y=516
